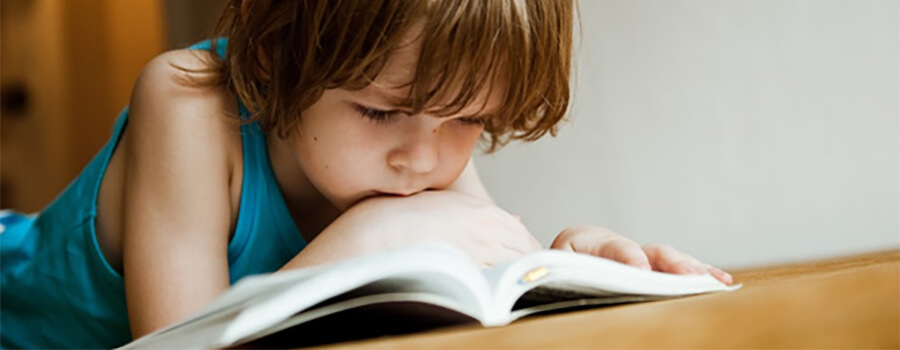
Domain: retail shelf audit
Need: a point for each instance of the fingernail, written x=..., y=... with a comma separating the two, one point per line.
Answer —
x=722, y=275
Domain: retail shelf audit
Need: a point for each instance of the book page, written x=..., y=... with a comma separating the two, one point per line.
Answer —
x=435, y=268
x=261, y=302
x=559, y=276
x=365, y=316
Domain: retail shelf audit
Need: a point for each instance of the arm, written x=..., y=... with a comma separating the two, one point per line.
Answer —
x=482, y=230
x=176, y=211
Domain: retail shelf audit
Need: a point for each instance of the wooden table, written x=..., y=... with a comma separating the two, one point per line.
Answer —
x=851, y=302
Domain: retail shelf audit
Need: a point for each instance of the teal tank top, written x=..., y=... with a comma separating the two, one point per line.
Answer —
x=58, y=291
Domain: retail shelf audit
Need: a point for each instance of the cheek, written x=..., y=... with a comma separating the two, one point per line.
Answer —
x=461, y=140
x=335, y=152
x=456, y=150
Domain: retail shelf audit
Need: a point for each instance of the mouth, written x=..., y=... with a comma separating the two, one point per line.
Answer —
x=375, y=194
x=395, y=194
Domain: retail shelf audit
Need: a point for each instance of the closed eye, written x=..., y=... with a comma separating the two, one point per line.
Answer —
x=380, y=116
x=475, y=121
x=376, y=115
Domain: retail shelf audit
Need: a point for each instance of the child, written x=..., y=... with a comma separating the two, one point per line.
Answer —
x=319, y=130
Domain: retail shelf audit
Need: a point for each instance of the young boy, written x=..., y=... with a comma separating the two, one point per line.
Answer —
x=326, y=129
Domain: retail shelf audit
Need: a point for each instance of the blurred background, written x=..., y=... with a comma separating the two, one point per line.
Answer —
x=66, y=71
x=744, y=132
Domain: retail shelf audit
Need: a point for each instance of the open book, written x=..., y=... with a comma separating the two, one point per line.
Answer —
x=422, y=286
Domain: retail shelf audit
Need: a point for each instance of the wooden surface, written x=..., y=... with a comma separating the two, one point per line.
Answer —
x=851, y=302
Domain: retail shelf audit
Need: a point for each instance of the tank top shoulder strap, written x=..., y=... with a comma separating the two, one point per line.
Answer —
x=262, y=207
x=221, y=45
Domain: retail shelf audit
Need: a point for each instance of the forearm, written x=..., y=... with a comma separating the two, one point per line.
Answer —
x=349, y=235
x=486, y=232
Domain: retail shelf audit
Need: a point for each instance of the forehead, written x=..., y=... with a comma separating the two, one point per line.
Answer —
x=393, y=85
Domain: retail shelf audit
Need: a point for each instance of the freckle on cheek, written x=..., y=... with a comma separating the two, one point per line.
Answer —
x=315, y=138
x=434, y=131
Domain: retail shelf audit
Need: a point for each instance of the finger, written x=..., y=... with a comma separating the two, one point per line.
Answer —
x=625, y=251
x=598, y=237
x=720, y=275
x=665, y=258
x=603, y=243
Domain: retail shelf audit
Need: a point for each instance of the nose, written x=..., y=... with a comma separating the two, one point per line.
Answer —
x=419, y=154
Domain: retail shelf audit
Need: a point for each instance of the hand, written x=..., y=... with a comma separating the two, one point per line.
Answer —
x=481, y=229
x=604, y=243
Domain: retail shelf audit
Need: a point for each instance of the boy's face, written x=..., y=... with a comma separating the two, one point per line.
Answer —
x=356, y=144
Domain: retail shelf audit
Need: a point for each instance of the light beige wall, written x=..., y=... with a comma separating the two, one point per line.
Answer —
x=743, y=131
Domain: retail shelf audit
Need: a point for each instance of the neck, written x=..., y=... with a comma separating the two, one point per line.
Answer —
x=311, y=211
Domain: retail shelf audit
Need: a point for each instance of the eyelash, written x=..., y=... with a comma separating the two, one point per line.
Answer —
x=385, y=117
x=375, y=115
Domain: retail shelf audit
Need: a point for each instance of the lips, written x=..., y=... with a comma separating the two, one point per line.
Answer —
x=396, y=194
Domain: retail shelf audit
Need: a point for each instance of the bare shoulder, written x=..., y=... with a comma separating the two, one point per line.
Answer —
x=173, y=76
x=168, y=105
x=168, y=102
x=179, y=131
